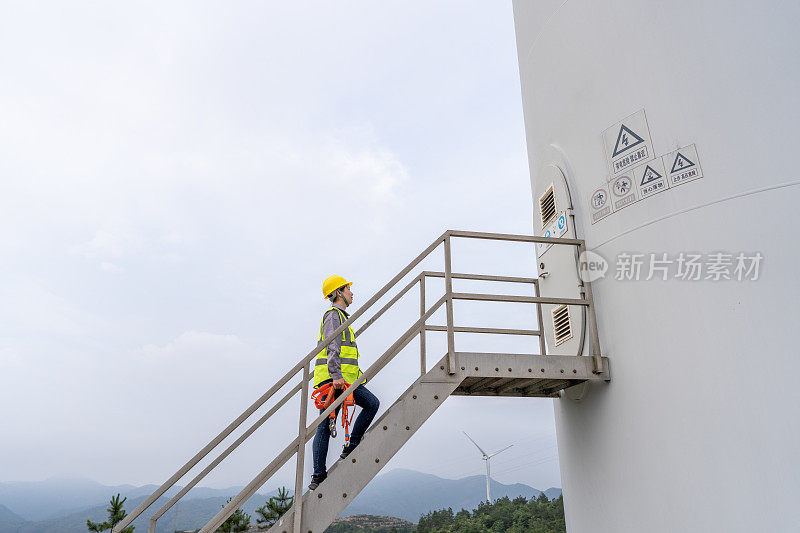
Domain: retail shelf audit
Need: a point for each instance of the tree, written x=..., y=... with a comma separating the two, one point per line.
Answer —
x=116, y=514
x=435, y=520
x=274, y=508
x=520, y=515
x=237, y=522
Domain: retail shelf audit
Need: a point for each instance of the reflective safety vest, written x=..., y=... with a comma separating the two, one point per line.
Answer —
x=348, y=356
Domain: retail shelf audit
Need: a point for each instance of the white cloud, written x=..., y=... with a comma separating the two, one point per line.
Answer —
x=110, y=267
x=371, y=175
x=10, y=361
x=32, y=309
x=194, y=353
x=198, y=375
x=107, y=244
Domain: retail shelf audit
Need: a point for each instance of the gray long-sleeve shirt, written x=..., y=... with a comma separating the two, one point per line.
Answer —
x=329, y=325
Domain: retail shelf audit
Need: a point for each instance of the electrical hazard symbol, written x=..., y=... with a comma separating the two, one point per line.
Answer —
x=681, y=162
x=650, y=176
x=684, y=165
x=626, y=139
x=627, y=144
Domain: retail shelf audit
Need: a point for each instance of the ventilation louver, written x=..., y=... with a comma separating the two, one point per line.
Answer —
x=547, y=206
x=561, y=324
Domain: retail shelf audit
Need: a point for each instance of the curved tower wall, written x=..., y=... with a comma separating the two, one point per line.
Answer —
x=698, y=429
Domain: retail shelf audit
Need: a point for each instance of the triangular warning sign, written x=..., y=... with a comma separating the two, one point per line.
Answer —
x=649, y=175
x=626, y=140
x=681, y=162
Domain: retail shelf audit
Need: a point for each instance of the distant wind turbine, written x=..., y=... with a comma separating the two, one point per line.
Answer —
x=486, y=458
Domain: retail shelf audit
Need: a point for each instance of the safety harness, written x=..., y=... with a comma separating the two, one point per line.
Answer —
x=323, y=399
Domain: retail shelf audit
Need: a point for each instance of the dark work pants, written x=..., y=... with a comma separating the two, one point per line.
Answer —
x=369, y=404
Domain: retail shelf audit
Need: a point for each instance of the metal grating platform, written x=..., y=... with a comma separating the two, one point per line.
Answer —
x=523, y=375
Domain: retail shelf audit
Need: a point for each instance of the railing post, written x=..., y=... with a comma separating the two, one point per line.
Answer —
x=301, y=448
x=596, y=353
x=423, y=365
x=448, y=287
x=542, y=349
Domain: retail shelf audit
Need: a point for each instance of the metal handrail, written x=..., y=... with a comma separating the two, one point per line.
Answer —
x=306, y=432
x=276, y=387
x=498, y=331
x=482, y=277
x=519, y=299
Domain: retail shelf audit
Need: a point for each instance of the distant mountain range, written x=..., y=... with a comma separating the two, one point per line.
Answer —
x=408, y=494
x=190, y=514
x=63, y=506
x=40, y=500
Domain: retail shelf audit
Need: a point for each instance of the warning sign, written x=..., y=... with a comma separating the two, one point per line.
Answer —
x=650, y=175
x=623, y=192
x=627, y=143
x=600, y=205
x=650, y=178
x=683, y=165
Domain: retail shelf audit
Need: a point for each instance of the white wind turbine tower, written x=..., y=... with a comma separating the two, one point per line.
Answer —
x=486, y=458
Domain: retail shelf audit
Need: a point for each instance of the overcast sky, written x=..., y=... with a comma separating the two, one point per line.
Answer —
x=176, y=180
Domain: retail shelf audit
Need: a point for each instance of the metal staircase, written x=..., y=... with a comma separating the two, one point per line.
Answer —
x=457, y=373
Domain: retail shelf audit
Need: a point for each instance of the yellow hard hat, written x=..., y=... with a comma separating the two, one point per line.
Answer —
x=332, y=283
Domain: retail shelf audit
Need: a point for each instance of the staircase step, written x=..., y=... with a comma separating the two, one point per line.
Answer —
x=347, y=477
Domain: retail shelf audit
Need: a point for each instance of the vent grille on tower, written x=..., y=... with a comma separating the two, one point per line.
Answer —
x=561, y=324
x=547, y=206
